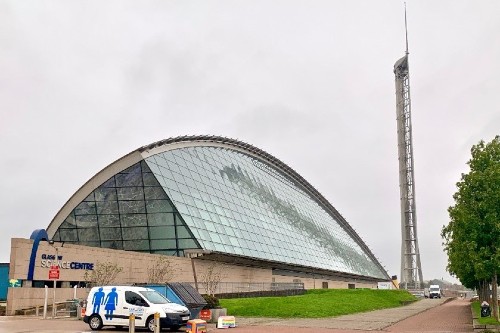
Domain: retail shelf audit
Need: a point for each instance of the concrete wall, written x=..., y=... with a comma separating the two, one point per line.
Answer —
x=135, y=267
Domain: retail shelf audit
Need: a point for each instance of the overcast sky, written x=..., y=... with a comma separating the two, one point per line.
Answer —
x=83, y=83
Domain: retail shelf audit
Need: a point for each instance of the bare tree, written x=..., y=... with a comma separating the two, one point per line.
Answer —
x=212, y=277
x=104, y=273
x=161, y=271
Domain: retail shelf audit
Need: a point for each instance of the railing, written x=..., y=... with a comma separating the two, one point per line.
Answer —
x=62, y=309
x=241, y=288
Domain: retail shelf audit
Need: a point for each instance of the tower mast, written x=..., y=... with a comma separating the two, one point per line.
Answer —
x=411, y=271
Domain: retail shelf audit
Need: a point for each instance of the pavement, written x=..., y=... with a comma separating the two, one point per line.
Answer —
x=367, y=321
x=425, y=315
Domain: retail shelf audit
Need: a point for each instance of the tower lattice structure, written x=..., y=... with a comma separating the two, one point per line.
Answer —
x=411, y=269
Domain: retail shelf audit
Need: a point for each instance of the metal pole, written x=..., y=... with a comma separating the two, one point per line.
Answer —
x=157, y=322
x=194, y=275
x=54, y=301
x=45, y=302
x=55, y=282
x=131, y=323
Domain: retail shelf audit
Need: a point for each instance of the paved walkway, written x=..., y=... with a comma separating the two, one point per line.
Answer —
x=426, y=315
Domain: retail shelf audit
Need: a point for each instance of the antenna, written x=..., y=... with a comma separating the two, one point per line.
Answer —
x=406, y=31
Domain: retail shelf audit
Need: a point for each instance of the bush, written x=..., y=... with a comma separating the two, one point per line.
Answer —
x=212, y=302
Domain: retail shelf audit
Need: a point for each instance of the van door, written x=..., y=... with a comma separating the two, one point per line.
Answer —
x=113, y=312
x=136, y=304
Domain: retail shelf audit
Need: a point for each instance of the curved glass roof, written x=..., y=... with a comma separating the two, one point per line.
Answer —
x=236, y=204
x=214, y=196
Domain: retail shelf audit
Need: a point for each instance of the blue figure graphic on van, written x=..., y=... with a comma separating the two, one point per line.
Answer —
x=97, y=300
x=111, y=303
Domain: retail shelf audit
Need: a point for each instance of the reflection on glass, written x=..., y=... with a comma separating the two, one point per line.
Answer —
x=241, y=205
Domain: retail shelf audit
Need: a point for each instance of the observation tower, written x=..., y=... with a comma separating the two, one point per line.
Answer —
x=411, y=270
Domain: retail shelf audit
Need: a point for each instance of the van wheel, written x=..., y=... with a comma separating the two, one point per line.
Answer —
x=95, y=322
x=150, y=324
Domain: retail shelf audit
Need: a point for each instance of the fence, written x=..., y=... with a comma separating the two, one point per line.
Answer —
x=240, y=289
x=62, y=309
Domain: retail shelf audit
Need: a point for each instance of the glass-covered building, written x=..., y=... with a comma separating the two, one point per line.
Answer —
x=215, y=195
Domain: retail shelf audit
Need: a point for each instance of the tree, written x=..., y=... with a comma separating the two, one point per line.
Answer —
x=104, y=273
x=161, y=271
x=212, y=277
x=472, y=237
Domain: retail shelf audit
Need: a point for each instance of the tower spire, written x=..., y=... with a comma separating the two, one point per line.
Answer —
x=406, y=32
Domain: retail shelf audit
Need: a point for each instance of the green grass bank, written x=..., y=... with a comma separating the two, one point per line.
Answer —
x=319, y=303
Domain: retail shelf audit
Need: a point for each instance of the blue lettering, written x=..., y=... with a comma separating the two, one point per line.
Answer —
x=81, y=265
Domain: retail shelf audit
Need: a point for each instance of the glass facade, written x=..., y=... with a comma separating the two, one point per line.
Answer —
x=236, y=204
x=130, y=211
x=217, y=199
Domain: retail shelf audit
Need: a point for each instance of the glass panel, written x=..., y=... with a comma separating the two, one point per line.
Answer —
x=116, y=245
x=69, y=222
x=182, y=232
x=167, y=253
x=89, y=243
x=163, y=244
x=85, y=208
x=90, y=197
x=107, y=207
x=109, y=220
x=136, y=245
x=109, y=183
x=162, y=232
x=128, y=179
x=105, y=194
x=130, y=193
x=135, y=233
x=86, y=221
x=57, y=236
x=132, y=207
x=133, y=220
x=161, y=219
x=110, y=233
x=132, y=169
x=145, y=167
x=149, y=179
x=158, y=206
x=187, y=244
x=68, y=235
x=154, y=193
x=88, y=234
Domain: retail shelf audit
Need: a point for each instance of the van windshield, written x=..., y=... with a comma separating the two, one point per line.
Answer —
x=154, y=297
x=434, y=289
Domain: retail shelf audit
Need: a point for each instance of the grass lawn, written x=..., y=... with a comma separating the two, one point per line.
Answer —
x=476, y=307
x=317, y=303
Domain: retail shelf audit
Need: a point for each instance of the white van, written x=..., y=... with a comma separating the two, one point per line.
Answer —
x=113, y=305
x=434, y=291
